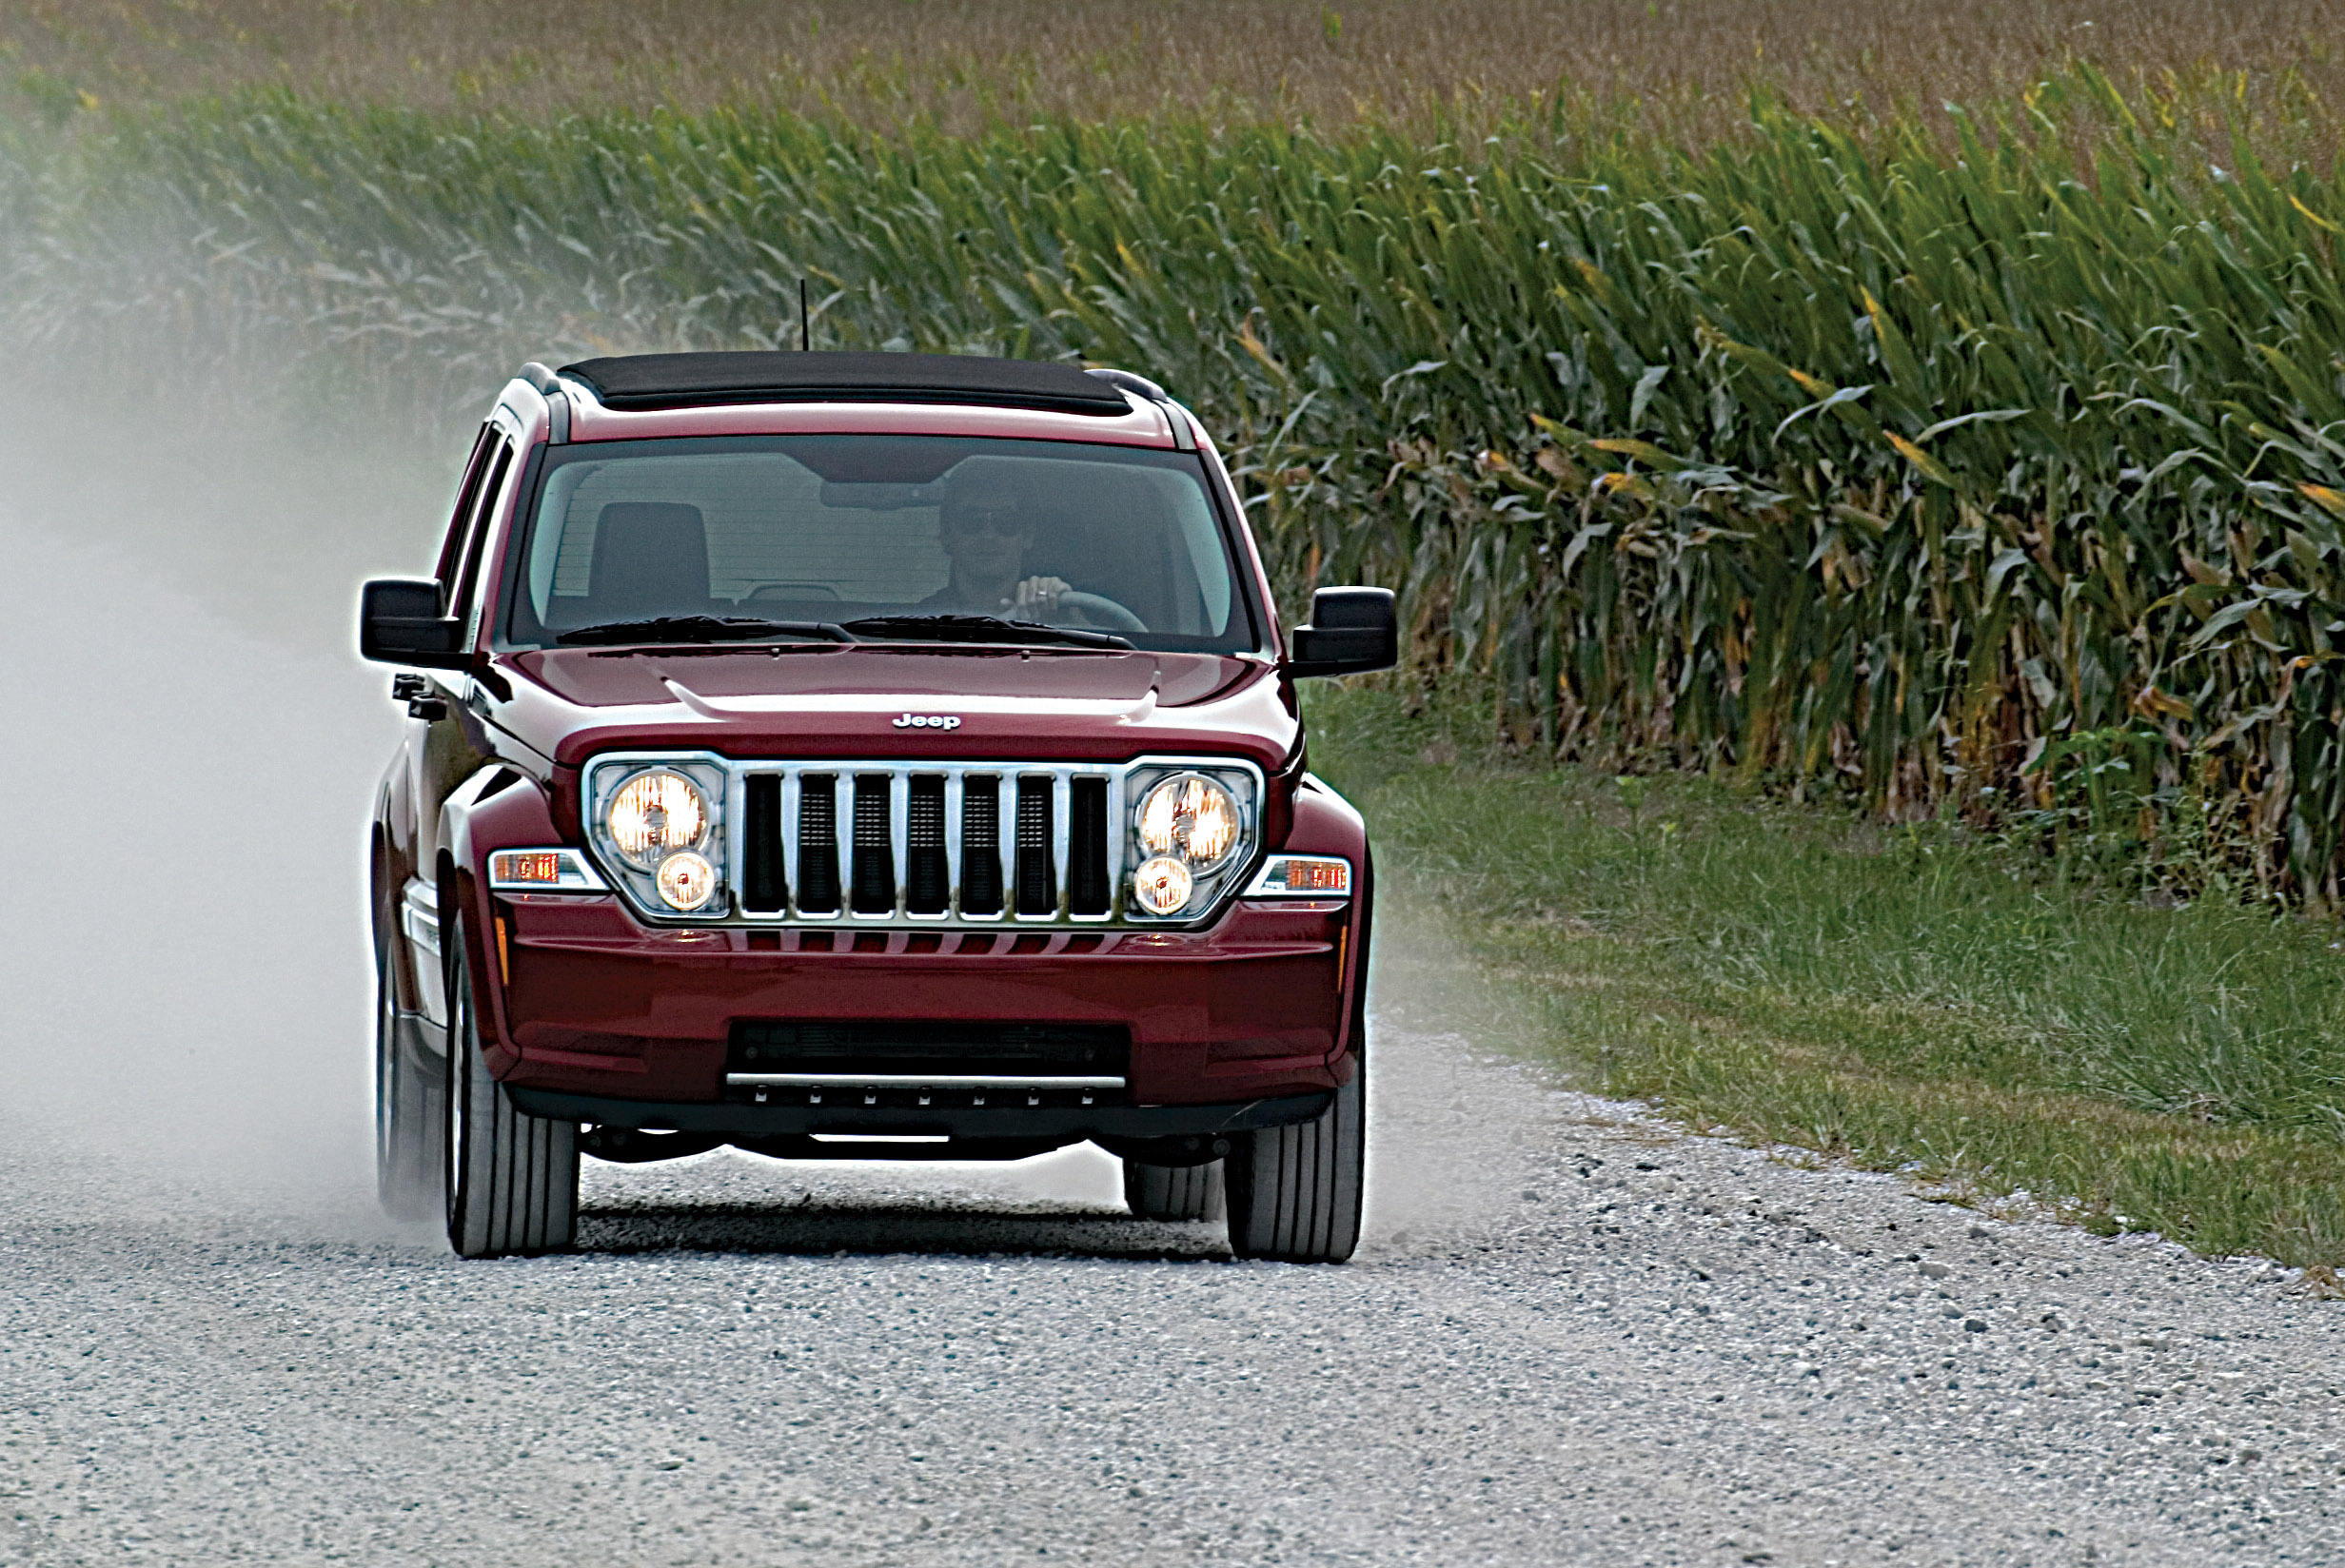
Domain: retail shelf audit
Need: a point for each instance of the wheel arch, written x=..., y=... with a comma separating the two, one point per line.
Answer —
x=1326, y=823
x=496, y=807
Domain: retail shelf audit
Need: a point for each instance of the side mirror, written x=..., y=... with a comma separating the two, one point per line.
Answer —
x=1352, y=632
x=400, y=622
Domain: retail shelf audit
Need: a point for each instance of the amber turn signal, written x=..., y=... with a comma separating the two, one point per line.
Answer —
x=509, y=867
x=1303, y=876
x=542, y=871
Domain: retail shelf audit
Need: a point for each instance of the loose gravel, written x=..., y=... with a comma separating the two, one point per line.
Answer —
x=1572, y=1336
x=1655, y=1349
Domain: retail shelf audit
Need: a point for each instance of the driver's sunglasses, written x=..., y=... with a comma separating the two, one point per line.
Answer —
x=1002, y=520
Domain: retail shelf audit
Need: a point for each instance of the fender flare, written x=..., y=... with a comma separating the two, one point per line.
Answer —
x=497, y=807
x=1323, y=822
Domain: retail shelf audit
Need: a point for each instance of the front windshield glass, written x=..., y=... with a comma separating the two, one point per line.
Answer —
x=836, y=529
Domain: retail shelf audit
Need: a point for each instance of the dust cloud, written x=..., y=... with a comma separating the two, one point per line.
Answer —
x=192, y=745
x=1455, y=1130
x=185, y=1007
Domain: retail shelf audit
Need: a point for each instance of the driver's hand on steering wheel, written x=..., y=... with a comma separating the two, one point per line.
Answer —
x=1037, y=598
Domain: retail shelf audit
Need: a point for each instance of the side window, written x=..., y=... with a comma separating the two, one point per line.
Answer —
x=461, y=596
x=467, y=497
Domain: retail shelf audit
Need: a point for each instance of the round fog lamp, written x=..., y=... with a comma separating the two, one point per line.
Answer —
x=1162, y=885
x=686, y=880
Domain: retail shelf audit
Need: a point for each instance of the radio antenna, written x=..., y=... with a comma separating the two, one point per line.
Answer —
x=805, y=325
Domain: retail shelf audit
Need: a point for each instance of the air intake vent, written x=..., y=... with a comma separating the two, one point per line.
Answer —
x=898, y=842
x=906, y=1047
x=1087, y=847
x=875, y=858
x=763, y=889
x=1037, y=878
x=817, y=844
x=981, y=844
x=928, y=879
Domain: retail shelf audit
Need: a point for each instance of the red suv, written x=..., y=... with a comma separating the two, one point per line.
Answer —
x=862, y=755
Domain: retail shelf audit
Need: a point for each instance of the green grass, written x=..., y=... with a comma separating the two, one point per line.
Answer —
x=1919, y=998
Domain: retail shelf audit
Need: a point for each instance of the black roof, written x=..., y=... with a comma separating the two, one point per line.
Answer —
x=691, y=381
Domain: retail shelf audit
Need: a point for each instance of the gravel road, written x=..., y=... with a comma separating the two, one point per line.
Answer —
x=1571, y=1338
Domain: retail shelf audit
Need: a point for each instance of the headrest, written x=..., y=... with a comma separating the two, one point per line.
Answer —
x=651, y=558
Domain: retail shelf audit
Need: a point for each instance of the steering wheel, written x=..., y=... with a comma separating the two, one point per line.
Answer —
x=1101, y=612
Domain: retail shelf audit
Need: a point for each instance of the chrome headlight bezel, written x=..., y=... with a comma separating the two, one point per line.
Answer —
x=707, y=773
x=1211, y=884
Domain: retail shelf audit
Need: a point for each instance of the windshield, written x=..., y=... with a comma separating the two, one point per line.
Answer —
x=907, y=533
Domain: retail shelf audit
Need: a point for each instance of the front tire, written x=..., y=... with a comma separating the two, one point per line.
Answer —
x=512, y=1180
x=409, y=1112
x=1173, y=1192
x=1295, y=1192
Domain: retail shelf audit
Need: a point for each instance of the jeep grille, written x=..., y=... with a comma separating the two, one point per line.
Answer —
x=847, y=843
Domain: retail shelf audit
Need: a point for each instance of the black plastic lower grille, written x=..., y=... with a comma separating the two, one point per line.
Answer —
x=893, y=1049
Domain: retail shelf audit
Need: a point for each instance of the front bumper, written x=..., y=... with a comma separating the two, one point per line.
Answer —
x=591, y=1005
x=1044, y=1128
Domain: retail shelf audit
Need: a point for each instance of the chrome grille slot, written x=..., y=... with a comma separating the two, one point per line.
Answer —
x=1087, y=889
x=875, y=856
x=928, y=878
x=764, y=888
x=981, y=844
x=817, y=845
x=1037, y=878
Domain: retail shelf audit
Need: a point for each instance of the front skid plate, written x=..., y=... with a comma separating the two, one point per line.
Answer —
x=1066, y=1124
x=626, y=1145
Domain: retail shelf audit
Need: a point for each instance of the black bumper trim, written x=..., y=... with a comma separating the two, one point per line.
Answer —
x=1069, y=1124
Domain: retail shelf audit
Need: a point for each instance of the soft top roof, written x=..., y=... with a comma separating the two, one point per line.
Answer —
x=695, y=380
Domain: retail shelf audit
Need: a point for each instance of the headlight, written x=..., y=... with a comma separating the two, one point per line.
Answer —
x=658, y=829
x=1193, y=831
x=1192, y=819
x=656, y=814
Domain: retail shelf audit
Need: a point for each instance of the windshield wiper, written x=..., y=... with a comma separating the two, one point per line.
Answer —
x=707, y=629
x=978, y=629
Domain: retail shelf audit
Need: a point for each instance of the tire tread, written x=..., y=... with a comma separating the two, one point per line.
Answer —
x=513, y=1186
x=1173, y=1192
x=1295, y=1193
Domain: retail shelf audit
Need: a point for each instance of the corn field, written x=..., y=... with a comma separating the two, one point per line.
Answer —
x=1953, y=468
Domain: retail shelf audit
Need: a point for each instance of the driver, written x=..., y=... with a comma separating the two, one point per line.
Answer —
x=986, y=532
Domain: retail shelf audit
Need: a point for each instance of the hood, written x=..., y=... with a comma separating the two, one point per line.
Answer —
x=857, y=700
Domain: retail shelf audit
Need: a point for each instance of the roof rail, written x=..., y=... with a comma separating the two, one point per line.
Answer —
x=1140, y=386
x=629, y=383
x=557, y=401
